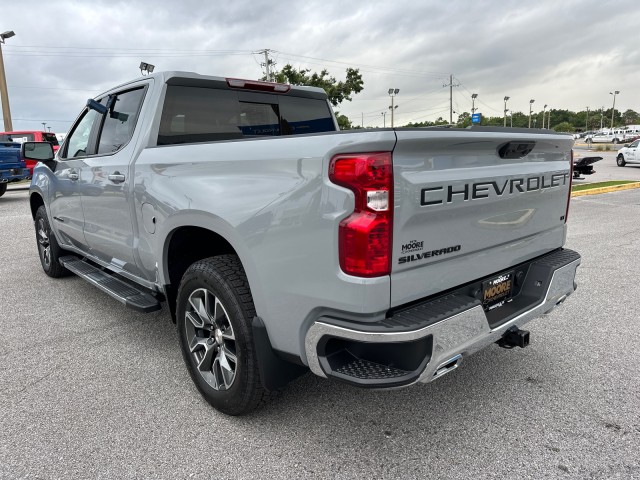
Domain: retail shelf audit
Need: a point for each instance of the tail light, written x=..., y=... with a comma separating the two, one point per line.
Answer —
x=566, y=215
x=365, y=235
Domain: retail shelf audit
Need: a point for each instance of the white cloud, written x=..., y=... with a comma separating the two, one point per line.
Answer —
x=567, y=55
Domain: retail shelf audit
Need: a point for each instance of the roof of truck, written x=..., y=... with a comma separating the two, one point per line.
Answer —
x=176, y=77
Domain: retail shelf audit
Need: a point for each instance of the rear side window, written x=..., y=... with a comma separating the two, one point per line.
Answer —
x=196, y=114
x=120, y=121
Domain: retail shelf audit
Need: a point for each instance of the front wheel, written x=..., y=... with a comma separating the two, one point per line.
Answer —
x=214, y=315
x=48, y=248
x=620, y=161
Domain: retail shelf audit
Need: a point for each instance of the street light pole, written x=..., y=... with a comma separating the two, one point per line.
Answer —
x=544, y=112
x=4, y=94
x=505, y=110
x=473, y=103
x=530, y=105
x=549, y=119
x=384, y=119
x=614, y=93
x=392, y=93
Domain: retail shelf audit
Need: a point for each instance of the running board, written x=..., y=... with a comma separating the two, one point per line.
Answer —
x=130, y=295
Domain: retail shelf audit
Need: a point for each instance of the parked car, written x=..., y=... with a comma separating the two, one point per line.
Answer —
x=630, y=153
x=12, y=167
x=617, y=136
x=21, y=136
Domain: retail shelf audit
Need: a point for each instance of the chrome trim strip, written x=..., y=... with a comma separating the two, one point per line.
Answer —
x=463, y=333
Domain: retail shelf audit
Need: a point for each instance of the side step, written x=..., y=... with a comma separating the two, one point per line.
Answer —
x=131, y=296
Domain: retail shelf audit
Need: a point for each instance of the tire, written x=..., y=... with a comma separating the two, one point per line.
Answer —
x=620, y=161
x=48, y=248
x=589, y=141
x=615, y=141
x=214, y=312
x=3, y=188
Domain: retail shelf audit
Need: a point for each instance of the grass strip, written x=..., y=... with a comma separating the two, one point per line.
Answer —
x=590, y=186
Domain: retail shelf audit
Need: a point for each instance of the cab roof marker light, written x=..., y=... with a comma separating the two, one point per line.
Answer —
x=258, y=85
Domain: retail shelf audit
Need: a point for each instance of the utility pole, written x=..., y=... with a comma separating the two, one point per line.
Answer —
x=601, y=117
x=549, y=120
x=267, y=64
x=544, y=113
x=450, y=85
x=4, y=94
x=586, y=123
x=362, y=120
x=392, y=93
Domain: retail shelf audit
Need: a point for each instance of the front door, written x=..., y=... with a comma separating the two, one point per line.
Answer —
x=65, y=190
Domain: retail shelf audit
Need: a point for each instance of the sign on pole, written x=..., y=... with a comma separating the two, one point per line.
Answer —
x=476, y=118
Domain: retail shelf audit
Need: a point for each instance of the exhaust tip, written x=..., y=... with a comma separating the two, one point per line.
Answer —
x=448, y=366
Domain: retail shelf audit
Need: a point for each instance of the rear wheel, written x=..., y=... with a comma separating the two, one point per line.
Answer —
x=214, y=315
x=3, y=188
x=620, y=161
x=48, y=248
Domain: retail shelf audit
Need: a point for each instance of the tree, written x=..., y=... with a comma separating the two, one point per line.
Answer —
x=337, y=91
x=343, y=122
x=564, y=127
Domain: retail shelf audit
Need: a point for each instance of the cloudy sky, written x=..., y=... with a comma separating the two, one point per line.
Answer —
x=566, y=54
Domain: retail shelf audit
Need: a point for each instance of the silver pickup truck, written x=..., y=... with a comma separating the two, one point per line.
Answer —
x=279, y=244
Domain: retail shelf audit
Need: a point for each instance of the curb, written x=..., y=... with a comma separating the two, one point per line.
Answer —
x=613, y=188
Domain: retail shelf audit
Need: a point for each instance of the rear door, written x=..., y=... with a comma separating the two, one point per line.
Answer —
x=106, y=197
x=471, y=203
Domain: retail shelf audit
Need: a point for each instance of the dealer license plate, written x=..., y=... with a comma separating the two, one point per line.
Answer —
x=497, y=290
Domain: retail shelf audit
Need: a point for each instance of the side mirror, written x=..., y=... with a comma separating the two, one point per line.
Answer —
x=38, y=151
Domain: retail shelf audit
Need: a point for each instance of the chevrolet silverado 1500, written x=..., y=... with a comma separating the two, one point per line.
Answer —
x=279, y=244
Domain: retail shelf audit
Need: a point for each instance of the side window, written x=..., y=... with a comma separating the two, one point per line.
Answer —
x=78, y=140
x=194, y=114
x=305, y=115
x=120, y=121
x=635, y=144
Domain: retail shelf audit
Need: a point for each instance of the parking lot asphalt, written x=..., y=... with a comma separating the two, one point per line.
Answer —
x=89, y=389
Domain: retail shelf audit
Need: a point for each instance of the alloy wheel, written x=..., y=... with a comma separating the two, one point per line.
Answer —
x=44, y=245
x=211, y=339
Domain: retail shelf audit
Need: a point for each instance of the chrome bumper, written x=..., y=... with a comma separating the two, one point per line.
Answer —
x=454, y=337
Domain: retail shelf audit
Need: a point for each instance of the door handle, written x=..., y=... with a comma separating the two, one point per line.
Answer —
x=116, y=177
x=74, y=176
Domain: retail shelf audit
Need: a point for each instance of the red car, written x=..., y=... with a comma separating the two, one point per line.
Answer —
x=22, y=136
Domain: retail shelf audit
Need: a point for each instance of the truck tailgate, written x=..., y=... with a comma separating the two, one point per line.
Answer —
x=472, y=203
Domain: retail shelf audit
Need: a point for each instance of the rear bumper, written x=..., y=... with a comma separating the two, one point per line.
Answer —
x=14, y=174
x=431, y=338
